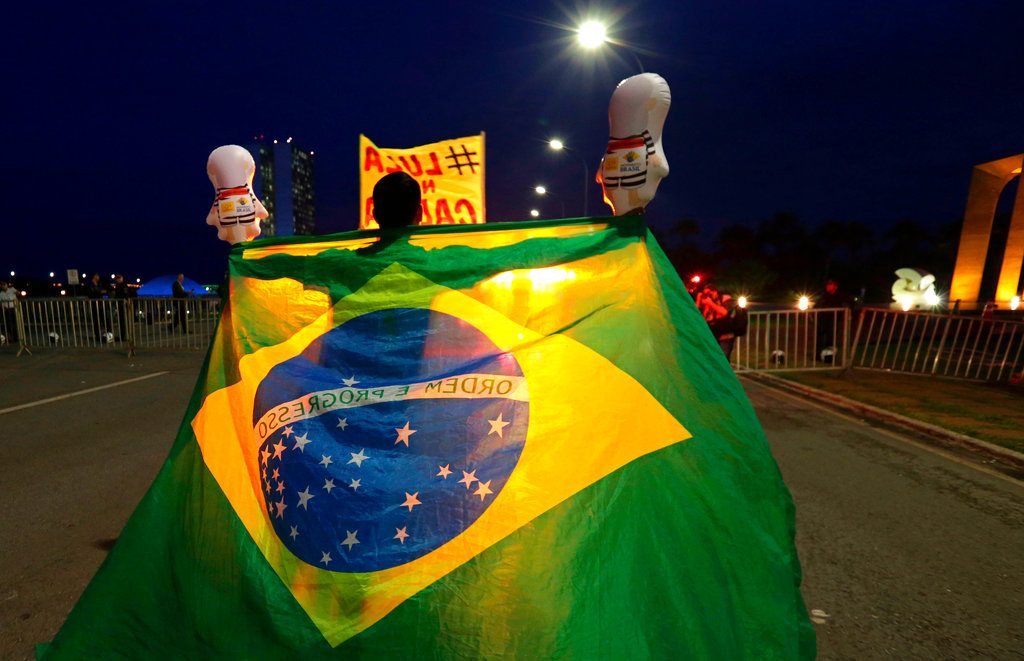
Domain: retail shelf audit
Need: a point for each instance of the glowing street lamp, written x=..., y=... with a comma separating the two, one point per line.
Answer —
x=803, y=303
x=591, y=35
x=535, y=213
x=742, y=302
x=543, y=191
x=557, y=145
x=51, y=274
x=1014, y=302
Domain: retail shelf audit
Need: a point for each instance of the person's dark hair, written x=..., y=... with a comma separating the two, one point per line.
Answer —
x=396, y=201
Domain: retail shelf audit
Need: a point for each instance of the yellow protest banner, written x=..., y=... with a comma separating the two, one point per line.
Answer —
x=450, y=174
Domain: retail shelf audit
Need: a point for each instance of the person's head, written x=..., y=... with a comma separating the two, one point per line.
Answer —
x=831, y=286
x=396, y=201
x=119, y=279
x=95, y=278
x=181, y=278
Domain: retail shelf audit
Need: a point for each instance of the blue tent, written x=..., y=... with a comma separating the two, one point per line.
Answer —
x=161, y=286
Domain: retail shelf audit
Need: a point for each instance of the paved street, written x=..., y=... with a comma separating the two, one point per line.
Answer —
x=909, y=554
x=912, y=555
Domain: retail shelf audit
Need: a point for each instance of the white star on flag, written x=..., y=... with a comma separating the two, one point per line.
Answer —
x=280, y=508
x=265, y=456
x=342, y=423
x=355, y=484
x=328, y=485
x=350, y=382
x=278, y=449
x=411, y=500
x=403, y=434
x=300, y=442
x=444, y=471
x=468, y=479
x=294, y=533
x=483, y=489
x=350, y=539
x=326, y=461
x=400, y=534
x=358, y=458
x=304, y=497
x=287, y=432
x=498, y=426
x=325, y=558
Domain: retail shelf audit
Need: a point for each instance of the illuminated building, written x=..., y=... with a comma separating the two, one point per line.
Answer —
x=987, y=183
x=284, y=182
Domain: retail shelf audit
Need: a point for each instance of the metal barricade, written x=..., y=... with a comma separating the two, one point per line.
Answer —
x=175, y=323
x=114, y=324
x=940, y=344
x=10, y=336
x=794, y=340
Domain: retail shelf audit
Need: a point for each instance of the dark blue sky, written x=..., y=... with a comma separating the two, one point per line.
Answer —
x=871, y=111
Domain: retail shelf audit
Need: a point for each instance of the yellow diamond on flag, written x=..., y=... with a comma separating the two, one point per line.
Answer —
x=587, y=418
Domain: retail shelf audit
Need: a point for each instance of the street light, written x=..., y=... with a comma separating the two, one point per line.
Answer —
x=592, y=34
x=543, y=191
x=535, y=213
x=557, y=145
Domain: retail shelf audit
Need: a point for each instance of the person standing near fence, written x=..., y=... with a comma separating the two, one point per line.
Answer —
x=121, y=293
x=180, y=297
x=95, y=294
x=834, y=297
x=7, y=298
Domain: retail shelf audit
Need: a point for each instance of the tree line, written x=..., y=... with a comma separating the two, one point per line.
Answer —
x=781, y=257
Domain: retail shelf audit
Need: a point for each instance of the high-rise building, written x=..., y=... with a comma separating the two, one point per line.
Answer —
x=284, y=183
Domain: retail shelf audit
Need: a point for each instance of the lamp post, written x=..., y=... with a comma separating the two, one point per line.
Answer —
x=543, y=191
x=592, y=34
x=557, y=145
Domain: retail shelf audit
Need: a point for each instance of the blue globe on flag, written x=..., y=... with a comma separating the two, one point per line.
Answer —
x=386, y=437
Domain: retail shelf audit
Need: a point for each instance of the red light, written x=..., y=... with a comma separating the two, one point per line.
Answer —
x=695, y=279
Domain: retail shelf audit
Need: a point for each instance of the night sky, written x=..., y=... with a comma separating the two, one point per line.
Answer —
x=871, y=111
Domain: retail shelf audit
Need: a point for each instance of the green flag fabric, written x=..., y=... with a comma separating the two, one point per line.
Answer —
x=515, y=441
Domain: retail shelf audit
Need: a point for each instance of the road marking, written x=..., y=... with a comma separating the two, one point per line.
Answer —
x=891, y=434
x=48, y=400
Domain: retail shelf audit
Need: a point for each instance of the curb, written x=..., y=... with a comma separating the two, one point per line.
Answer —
x=975, y=445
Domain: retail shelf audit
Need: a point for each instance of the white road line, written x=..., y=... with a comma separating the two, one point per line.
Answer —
x=945, y=454
x=40, y=402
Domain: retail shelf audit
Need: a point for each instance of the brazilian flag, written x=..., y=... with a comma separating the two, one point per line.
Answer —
x=517, y=441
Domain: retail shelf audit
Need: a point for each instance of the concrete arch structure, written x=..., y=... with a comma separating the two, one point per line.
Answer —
x=987, y=183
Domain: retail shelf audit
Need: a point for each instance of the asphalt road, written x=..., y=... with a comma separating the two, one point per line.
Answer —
x=911, y=554
x=907, y=554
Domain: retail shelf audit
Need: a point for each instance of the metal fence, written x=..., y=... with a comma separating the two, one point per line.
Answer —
x=794, y=340
x=118, y=324
x=911, y=342
x=940, y=344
